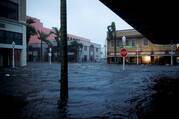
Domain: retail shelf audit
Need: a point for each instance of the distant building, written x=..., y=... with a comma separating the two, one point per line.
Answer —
x=90, y=52
x=12, y=28
x=34, y=44
x=139, y=46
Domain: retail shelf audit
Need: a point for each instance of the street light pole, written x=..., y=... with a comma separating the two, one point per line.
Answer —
x=13, y=62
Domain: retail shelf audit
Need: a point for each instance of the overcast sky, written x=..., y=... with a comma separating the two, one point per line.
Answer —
x=86, y=18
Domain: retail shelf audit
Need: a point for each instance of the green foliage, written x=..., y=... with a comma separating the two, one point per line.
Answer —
x=76, y=45
x=57, y=33
x=44, y=37
x=111, y=31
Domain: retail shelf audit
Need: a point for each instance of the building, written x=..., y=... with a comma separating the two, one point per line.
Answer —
x=34, y=45
x=140, y=48
x=90, y=52
x=12, y=28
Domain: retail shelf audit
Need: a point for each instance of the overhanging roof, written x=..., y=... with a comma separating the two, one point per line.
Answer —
x=158, y=22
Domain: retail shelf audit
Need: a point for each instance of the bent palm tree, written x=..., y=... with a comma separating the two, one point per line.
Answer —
x=57, y=34
x=43, y=37
x=30, y=30
x=76, y=46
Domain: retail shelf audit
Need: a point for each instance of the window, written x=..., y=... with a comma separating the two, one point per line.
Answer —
x=1, y=36
x=2, y=25
x=127, y=42
x=112, y=43
x=119, y=43
x=146, y=42
x=8, y=37
x=96, y=49
x=9, y=9
x=133, y=42
x=85, y=48
x=18, y=38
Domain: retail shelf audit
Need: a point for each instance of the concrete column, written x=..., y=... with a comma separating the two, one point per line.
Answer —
x=23, y=57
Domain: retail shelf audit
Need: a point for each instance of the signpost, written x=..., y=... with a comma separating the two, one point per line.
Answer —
x=171, y=53
x=13, y=62
x=123, y=53
x=50, y=54
x=137, y=54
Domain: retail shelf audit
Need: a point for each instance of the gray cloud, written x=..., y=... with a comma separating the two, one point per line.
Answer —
x=86, y=18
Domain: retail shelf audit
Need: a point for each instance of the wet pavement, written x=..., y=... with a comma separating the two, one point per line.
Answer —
x=96, y=90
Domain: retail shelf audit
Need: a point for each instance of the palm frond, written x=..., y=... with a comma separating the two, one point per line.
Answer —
x=30, y=21
x=44, y=37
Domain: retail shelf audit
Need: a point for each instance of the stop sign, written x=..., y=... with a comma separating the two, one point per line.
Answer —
x=123, y=52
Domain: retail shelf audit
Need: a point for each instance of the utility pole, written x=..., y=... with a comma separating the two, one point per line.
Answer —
x=64, y=60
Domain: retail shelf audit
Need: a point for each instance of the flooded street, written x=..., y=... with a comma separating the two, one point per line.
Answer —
x=96, y=90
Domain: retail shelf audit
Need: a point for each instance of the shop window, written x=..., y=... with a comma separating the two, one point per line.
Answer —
x=8, y=37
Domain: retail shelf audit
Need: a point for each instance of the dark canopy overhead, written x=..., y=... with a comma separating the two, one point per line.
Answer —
x=158, y=22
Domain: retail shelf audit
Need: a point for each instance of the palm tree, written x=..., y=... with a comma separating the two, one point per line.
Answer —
x=57, y=33
x=112, y=36
x=43, y=37
x=75, y=46
x=30, y=31
x=64, y=60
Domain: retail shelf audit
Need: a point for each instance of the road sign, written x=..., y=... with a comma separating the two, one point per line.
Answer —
x=123, y=52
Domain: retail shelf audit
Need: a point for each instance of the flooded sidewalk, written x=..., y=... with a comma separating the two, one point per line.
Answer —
x=96, y=90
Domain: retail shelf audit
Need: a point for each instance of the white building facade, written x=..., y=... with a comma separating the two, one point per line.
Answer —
x=90, y=52
x=12, y=29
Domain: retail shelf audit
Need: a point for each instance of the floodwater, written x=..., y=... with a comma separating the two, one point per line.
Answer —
x=96, y=90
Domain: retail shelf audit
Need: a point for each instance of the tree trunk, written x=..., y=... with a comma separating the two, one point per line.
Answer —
x=64, y=60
